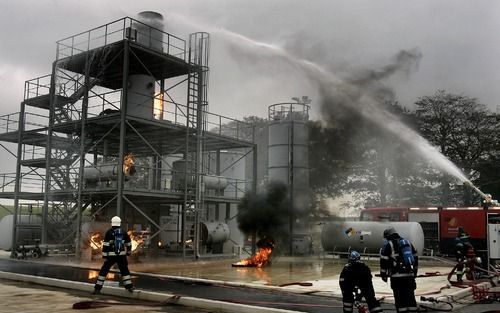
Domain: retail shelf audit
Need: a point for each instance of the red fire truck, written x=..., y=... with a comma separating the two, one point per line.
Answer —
x=440, y=224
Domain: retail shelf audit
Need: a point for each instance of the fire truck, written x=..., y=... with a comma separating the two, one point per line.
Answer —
x=441, y=224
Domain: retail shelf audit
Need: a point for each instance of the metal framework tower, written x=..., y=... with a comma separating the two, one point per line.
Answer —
x=104, y=135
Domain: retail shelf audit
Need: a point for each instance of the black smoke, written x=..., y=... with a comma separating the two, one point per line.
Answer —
x=265, y=213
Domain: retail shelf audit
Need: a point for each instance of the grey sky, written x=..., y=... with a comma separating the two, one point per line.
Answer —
x=458, y=40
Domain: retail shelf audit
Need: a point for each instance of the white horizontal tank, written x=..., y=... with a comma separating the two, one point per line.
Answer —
x=367, y=237
x=7, y=223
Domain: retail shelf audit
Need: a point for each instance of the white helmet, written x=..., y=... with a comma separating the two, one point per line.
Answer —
x=116, y=221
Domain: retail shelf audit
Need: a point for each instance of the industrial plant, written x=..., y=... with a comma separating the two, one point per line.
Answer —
x=120, y=130
x=121, y=126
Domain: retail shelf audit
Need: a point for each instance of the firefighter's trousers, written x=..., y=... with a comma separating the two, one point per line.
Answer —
x=403, y=288
x=366, y=291
x=122, y=263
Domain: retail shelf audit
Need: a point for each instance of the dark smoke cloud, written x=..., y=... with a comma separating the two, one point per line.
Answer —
x=265, y=213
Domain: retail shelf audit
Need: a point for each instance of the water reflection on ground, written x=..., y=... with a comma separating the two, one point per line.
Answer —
x=282, y=270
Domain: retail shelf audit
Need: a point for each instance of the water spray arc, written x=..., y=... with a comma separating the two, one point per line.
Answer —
x=336, y=88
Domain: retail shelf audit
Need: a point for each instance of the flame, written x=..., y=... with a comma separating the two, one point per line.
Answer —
x=128, y=164
x=158, y=107
x=96, y=241
x=260, y=259
x=136, y=240
x=93, y=275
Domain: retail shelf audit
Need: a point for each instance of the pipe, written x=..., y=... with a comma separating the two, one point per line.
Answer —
x=486, y=196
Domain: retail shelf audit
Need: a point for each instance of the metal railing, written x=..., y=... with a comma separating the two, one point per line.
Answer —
x=124, y=28
x=37, y=87
x=216, y=124
x=30, y=182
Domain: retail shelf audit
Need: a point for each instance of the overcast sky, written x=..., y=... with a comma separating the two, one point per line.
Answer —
x=458, y=41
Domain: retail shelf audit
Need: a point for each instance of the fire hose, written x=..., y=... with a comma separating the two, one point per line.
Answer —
x=94, y=304
x=436, y=301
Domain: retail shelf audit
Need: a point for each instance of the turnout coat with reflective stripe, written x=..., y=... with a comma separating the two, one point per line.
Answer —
x=108, y=245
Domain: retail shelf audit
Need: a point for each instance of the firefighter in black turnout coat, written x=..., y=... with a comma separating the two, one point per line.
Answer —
x=355, y=276
x=115, y=249
x=399, y=262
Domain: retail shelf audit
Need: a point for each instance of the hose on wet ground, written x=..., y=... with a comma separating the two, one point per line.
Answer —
x=95, y=304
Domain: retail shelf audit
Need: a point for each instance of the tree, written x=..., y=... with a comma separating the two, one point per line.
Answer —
x=464, y=131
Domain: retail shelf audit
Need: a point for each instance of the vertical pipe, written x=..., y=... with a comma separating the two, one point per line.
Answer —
x=290, y=178
x=123, y=129
x=48, y=152
x=199, y=159
x=83, y=120
x=17, y=186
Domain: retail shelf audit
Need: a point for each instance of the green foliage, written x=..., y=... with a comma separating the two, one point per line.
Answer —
x=466, y=133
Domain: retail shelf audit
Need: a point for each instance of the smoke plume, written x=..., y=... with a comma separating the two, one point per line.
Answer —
x=265, y=213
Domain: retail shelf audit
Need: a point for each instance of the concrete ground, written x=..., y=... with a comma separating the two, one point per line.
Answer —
x=321, y=274
x=17, y=297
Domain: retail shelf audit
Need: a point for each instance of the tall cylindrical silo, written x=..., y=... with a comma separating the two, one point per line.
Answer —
x=288, y=150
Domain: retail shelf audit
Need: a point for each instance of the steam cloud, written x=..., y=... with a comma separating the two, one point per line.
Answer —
x=358, y=96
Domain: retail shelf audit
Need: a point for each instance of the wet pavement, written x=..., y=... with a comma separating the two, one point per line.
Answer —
x=204, y=289
x=312, y=282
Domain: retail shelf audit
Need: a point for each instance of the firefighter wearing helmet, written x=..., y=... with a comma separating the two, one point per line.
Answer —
x=356, y=282
x=399, y=261
x=465, y=255
x=115, y=249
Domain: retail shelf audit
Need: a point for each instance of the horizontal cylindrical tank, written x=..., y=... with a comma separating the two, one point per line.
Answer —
x=367, y=237
x=103, y=172
x=210, y=182
x=213, y=182
x=27, y=234
x=214, y=232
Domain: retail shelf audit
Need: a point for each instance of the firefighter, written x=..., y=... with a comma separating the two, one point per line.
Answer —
x=115, y=249
x=465, y=256
x=355, y=276
x=394, y=266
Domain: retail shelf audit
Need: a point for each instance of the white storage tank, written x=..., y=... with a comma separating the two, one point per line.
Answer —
x=214, y=232
x=288, y=149
x=140, y=95
x=367, y=237
x=29, y=234
x=231, y=166
x=209, y=182
x=150, y=29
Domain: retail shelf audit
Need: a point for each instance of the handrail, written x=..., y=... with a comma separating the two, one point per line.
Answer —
x=116, y=31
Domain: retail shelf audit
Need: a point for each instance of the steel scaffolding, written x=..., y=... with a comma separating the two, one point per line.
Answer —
x=119, y=92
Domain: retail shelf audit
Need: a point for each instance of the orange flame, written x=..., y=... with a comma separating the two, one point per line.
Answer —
x=128, y=164
x=260, y=259
x=96, y=241
x=158, y=107
x=135, y=240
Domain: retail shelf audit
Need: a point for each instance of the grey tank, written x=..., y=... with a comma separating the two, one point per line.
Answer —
x=367, y=237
